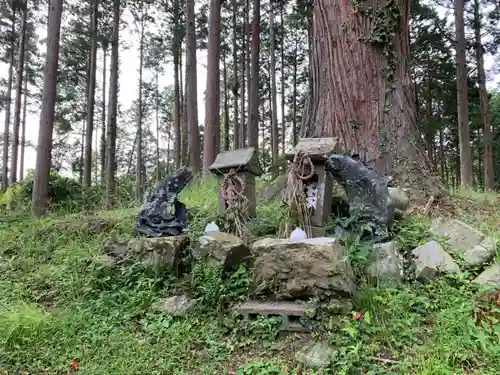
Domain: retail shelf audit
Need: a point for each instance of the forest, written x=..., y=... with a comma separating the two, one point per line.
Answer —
x=264, y=87
x=103, y=101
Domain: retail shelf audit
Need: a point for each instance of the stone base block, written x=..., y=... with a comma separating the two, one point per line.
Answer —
x=290, y=312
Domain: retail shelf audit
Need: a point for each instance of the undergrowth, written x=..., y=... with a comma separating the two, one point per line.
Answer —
x=62, y=310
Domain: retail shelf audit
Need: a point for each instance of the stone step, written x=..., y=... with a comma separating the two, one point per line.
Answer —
x=290, y=312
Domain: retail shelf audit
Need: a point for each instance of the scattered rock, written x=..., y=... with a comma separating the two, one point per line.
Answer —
x=475, y=247
x=301, y=269
x=176, y=305
x=430, y=259
x=399, y=198
x=385, y=263
x=316, y=356
x=156, y=253
x=219, y=248
x=490, y=276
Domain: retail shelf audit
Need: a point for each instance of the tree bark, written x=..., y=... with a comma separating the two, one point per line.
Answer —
x=362, y=91
x=40, y=198
x=235, y=89
x=462, y=98
x=489, y=176
x=6, y=130
x=274, y=104
x=212, y=99
x=19, y=96
x=253, y=104
x=191, y=90
x=87, y=163
x=112, y=109
x=139, y=180
x=23, y=127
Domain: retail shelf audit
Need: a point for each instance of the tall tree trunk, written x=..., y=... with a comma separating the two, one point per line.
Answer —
x=191, y=90
x=244, y=72
x=40, y=198
x=6, y=130
x=23, y=127
x=294, y=95
x=226, y=108
x=177, y=108
x=82, y=149
x=274, y=104
x=19, y=96
x=372, y=109
x=253, y=105
x=157, y=110
x=87, y=163
x=103, y=114
x=236, y=123
x=462, y=97
x=112, y=108
x=184, y=122
x=489, y=177
x=282, y=77
x=138, y=166
x=212, y=99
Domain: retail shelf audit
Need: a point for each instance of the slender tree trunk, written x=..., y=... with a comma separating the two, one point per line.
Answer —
x=282, y=76
x=112, y=108
x=236, y=123
x=253, y=106
x=40, y=198
x=157, y=128
x=177, y=109
x=294, y=95
x=226, y=109
x=23, y=127
x=19, y=96
x=212, y=100
x=103, y=114
x=462, y=98
x=244, y=72
x=489, y=177
x=82, y=150
x=87, y=162
x=372, y=108
x=274, y=104
x=184, y=122
x=139, y=179
x=6, y=131
x=191, y=90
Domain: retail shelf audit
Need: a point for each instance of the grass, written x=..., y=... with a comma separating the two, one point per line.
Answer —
x=59, y=305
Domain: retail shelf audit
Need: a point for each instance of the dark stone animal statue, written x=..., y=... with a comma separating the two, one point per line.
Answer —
x=164, y=214
x=367, y=194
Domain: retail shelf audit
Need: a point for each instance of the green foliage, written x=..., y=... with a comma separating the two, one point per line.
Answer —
x=59, y=303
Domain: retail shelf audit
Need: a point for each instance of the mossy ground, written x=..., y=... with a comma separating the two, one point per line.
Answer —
x=58, y=305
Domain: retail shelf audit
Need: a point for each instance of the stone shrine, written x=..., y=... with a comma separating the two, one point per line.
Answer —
x=319, y=186
x=244, y=162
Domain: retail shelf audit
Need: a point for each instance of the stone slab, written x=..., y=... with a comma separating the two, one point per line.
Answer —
x=318, y=149
x=241, y=160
